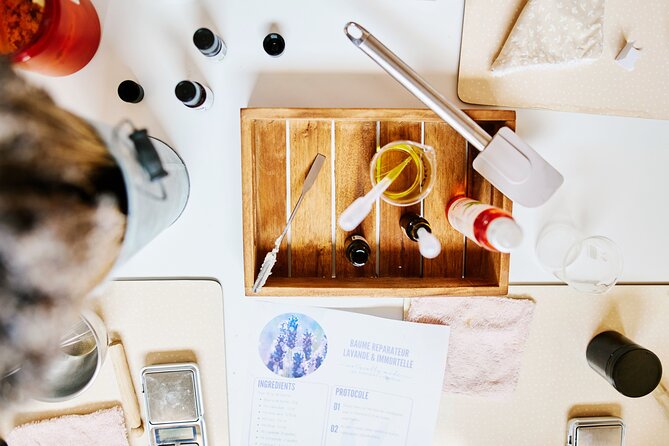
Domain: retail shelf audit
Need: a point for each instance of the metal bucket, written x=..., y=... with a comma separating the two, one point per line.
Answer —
x=155, y=199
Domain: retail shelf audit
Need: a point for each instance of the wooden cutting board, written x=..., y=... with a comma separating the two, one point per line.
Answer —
x=601, y=87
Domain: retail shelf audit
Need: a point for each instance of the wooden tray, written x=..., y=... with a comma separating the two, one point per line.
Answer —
x=311, y=261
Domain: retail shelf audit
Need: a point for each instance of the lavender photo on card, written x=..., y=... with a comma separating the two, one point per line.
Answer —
x=293, y=345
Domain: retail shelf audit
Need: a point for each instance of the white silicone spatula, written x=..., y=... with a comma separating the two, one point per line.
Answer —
x=512, y=166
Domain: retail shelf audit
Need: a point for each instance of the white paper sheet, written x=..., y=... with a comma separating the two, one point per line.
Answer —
x=327, y=377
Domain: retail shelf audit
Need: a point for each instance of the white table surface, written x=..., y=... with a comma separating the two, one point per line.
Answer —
x=614, y=167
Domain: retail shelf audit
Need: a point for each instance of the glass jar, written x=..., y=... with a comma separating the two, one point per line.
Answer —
x=416, y=179
x=52, y=37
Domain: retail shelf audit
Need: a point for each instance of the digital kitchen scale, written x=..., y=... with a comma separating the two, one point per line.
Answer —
x=173, y=401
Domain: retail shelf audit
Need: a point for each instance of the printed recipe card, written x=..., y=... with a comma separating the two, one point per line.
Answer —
x=329, y=377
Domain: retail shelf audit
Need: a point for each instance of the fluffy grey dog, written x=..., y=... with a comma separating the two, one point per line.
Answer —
x=62, y=220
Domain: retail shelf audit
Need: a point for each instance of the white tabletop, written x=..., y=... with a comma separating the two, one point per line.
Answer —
x=612, y=165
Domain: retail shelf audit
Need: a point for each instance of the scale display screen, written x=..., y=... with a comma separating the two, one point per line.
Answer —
x=169, y=435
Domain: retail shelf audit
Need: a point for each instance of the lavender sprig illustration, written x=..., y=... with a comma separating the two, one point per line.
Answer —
x=297, y=347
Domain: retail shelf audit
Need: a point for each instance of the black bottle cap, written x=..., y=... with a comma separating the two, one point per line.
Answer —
x=636, y=373
x=130, y=91
x=633, y=370
x=204, y=39
x=359, y=256
x=357, y=250
x=186, y=91
x=274, y=44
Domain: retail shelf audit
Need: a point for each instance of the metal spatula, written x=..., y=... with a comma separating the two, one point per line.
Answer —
x=270, y=258
x=505, y=160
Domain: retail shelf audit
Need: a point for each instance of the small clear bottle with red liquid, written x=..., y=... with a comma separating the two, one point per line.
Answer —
x=488, y=226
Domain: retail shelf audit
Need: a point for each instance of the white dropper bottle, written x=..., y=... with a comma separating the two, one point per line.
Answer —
x=490, y=227
x=418, y=229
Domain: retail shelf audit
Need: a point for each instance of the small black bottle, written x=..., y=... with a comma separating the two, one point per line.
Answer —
x=274, y=44
x=210, y=44
x=130, y=92
x=194, y=95
x=357, y=250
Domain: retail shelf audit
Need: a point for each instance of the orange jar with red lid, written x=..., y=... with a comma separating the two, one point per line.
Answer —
x=52, y=37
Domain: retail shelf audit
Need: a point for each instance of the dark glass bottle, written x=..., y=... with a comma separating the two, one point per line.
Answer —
x=274, y=44
x=357, y=250
x=130, y=92
x=419, y=230
x=411, y=223
x=209, y=44
x=194, y=95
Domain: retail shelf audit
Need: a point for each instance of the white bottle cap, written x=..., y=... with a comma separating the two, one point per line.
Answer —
x=504, y=234
x=428, y=245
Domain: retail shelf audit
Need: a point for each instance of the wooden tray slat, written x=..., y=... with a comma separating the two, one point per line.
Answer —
x=399, y=256
x=450, y=181
x=311, y=230
x=269, y=145
x=355, y=145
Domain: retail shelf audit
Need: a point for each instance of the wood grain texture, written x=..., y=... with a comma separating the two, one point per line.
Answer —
x=264, y=206
x=369, y=114
x=355, y=145
x=451, y=181
x=248, y=200
x=311, y=231
x=398, y=256
x=381, y=287
x=269, y=154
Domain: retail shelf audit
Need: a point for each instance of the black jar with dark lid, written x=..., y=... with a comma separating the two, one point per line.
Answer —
x=633, y=370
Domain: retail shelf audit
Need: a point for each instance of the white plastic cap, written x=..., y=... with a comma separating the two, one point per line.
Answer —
x=504, y=234
x=428, y=245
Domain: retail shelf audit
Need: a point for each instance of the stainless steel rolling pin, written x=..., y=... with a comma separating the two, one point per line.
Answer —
x=402, y=73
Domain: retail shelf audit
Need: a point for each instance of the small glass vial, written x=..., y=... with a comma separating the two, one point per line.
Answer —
x=357, y=250
x=490, y=227
x=209, y=44
x=194, y=95
x=419, y=230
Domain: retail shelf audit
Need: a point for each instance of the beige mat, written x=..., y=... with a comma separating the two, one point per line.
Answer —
x=159, y=321
x=601, y=87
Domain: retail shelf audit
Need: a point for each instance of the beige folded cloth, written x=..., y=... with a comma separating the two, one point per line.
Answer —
x=102, y=428
x=488, y=336
x=553, y=33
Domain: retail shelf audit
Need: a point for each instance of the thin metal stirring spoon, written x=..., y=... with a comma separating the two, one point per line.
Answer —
x=270, y=258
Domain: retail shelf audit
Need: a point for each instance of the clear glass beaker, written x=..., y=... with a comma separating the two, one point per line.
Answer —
x=415, y=181
x=82, y=353
x=589, y=264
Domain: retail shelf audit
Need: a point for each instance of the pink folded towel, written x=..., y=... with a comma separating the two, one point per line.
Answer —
x=102, y=428
x=488, y=336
